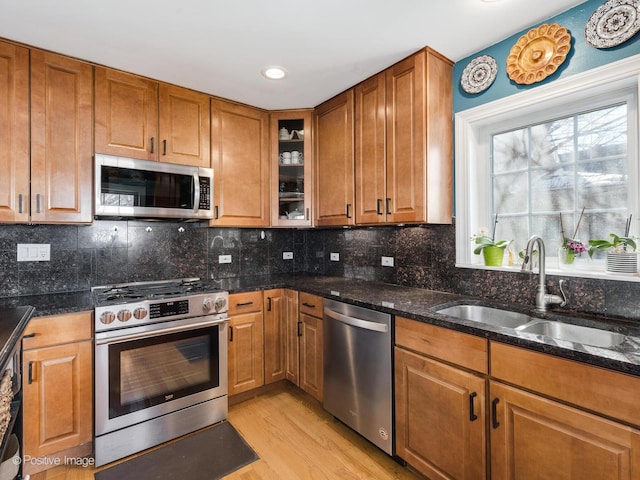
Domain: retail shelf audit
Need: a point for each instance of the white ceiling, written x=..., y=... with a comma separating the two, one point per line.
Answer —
x=219, y=47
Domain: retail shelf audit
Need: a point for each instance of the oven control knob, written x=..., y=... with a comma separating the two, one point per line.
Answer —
x=207, y=305
x=139, y=313
x=124, y=315
x=219, y=304
x=107, y=318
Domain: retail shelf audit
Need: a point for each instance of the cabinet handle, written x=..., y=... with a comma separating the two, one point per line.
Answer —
x=245, y=304
x=379, y=207
x=153, y=143
x=308, y=305
x=30, y=373
x=29, y=335
x=231, y=334
x=37, y=203
x=472, y=413
x=388, y=205
x=20, y=203
x=307, y=214
x=299, y=329
x=268, y=304
x=348, y=210
x=164, y=147
x=215, y=212
x=494, y=413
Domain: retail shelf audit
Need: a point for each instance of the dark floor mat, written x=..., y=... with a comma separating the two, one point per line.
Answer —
x=206, y=455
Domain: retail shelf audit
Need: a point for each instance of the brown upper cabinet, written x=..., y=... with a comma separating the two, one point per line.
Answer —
x=140, y=118
x=240, y=161
x=291, y=167
x=334, y=161
x=14, y=141
x=61, y=139
x=403, y=156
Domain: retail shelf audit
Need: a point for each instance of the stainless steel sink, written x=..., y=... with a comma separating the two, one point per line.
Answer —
x=487, y=315
x=574, y=333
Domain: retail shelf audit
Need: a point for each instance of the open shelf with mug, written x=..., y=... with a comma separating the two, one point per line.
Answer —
x=291, y=173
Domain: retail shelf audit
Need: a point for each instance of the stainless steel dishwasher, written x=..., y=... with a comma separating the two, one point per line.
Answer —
x=358, y=370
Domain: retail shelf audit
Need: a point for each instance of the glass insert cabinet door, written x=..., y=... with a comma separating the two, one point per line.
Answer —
x=291, y=168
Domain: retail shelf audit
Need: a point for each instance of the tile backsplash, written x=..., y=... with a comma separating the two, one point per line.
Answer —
x=424, y=257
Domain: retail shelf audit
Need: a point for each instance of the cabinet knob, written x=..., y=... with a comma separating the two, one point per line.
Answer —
x=153, y=141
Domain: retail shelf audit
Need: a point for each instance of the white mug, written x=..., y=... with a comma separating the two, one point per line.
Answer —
x=285, y=157
x=296, y=157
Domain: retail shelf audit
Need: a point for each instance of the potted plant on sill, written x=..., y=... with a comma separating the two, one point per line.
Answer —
x=621, y=252
x=570, y=248
x=492, y=250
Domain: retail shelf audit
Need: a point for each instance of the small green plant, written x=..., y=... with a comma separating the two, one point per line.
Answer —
x=617, y=243
x=482, y=239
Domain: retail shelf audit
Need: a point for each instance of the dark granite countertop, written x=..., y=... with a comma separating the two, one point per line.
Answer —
x=414, y=303
x=13, y=321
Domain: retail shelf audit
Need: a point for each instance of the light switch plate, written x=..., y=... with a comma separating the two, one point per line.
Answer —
x=224, y=258
x=287, y=255
x=34, y=252
x=387, y=261
x=334, y=257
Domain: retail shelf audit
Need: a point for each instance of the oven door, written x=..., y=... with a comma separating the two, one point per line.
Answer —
x=151, y=370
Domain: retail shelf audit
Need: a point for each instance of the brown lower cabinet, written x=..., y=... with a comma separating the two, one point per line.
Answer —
x=543, y=417
x=275, y=328
x=57, y=389
x=305, y=342
x=246, y=349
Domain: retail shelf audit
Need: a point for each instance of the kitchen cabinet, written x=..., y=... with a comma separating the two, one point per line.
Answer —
x=14, y=142
x=310, y=344
x=403, y=155
x=140, y=118
x=61, y=139
x=240, y=160
x=274, y=335
x=533, y=437
x=334, y=161
x=579, y=423
x=291, y=168
x=246, y=350
x=440, y=407
x=57, y=388
x=292, y=336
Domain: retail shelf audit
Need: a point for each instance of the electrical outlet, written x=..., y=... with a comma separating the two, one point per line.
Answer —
x=34, y=252
x=334, y=257
x=387, y=261
x=287, y=255
x=224, y=258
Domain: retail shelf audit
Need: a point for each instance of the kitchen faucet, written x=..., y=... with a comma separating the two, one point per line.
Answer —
x=542, y=298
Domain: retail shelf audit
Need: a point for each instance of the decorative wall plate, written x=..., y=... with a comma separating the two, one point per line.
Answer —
x=613, y=23
x=538, y=53
x=479, y=74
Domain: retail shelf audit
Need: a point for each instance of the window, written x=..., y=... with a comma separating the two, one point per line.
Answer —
x=548, y=153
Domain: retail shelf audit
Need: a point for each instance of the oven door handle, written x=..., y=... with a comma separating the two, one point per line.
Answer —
x=155, y=333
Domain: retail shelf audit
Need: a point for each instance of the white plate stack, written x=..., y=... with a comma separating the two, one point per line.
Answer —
x=622, y=262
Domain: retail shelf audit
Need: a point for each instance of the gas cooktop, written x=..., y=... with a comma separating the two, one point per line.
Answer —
x=132, y=292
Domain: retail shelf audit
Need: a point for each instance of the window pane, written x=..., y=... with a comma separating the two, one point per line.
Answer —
x=511, y=193
x=552, y=189
x=603, y=184
x=552, y=143
x=603, y=133
x=510, y=151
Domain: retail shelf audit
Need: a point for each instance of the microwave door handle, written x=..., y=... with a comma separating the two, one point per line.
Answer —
x=196, y=192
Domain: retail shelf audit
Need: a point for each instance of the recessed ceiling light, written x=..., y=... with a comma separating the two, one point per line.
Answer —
x=274, y=73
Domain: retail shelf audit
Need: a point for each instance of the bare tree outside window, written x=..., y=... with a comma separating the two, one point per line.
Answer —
x=561, y=166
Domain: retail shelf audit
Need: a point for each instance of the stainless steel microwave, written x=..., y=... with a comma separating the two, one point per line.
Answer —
x=126, y=187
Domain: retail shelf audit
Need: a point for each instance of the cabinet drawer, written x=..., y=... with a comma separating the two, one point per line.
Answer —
x=57, y=329
x=311, y=304
x=604, y=391
x=245, y=302
x=460, y=348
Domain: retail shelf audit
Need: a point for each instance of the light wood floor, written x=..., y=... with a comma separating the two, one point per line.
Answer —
x=295, y=439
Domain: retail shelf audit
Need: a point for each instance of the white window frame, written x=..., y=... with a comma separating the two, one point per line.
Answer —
x=472, y=149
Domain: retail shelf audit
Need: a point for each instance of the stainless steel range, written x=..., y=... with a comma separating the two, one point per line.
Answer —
x=160, y=363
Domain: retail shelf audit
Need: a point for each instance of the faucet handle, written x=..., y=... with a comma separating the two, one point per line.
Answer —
x=564, y=296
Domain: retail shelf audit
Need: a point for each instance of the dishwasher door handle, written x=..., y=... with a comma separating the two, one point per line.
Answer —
x=357, y=322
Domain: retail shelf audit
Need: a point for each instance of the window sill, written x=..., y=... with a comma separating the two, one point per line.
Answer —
x=597, y=273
